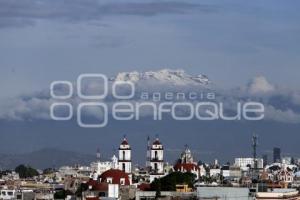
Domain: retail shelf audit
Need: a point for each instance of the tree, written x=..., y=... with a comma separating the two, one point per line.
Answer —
x=62, y=194
x=158, y=190
x=26, y=171
x=169, y=182
x=48, y=171
x=81, y=188
x=4, y=173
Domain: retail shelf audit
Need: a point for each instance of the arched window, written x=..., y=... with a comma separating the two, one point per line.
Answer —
x=155, y=166
x=123, y=167
x=155, y=155
x=123, y=155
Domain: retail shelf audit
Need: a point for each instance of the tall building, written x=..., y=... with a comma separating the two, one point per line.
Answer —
x=276, y=154
x=157, y=157
x=246, y=162
x=156, y=160
x=265, y=159
x=125, y=156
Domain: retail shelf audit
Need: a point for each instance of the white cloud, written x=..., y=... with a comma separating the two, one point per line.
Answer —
x=280, y=105
x=287, y=116
x=260, y=85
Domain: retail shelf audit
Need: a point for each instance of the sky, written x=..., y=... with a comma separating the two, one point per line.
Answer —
x=229, y=41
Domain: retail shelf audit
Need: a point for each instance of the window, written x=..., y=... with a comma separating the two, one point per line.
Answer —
x=123, y=167
x=122, y=181
x=155, y=166
x=123, y=155
x=155, y=155
x=109, y=180
x=101, y=194
x=10, y=193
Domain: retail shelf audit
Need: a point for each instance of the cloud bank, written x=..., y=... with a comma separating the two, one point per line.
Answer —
x=28, y=12
x=280, y=105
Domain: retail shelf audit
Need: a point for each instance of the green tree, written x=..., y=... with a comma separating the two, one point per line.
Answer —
x=81, y=188
x=61, y=194
x=158, y=190
x=48, y=171
x=26, y=171
x=169, y=182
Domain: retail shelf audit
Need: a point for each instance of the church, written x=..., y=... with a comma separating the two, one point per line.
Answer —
x=155, y=165
x=155, y=160
x=186, y=163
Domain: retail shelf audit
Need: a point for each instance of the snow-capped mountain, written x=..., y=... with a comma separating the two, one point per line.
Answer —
x=164, y=76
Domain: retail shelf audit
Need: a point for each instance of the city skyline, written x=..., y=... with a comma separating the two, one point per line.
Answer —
x=246, y=51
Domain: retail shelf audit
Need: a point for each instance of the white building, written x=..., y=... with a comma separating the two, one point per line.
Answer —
x=244, y=162
x=99, y=167
x=286, y=175
x=225, y=171
x=7, y=194
x=214, y=172
x=286, y=160
x=156, y=160
x=157, y=157
x=125, y=156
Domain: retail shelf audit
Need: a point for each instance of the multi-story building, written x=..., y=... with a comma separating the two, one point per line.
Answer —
x=156, y=160
x=125, y=156
x=157, y=157
x=286, y=160
x=245, y=162
x=99, y=167
x=265, y=159
x=276, y=154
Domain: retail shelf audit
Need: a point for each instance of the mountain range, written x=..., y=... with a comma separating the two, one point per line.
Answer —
x=45, y=158
x=163, y=76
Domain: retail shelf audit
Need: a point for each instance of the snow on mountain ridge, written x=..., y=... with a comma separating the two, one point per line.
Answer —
x=176, y=77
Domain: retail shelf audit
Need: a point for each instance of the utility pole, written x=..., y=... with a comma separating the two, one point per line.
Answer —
x=254, y=147
x=148, y=156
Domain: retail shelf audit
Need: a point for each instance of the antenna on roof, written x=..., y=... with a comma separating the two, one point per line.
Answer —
x=148, y=152
x=98, y=154
x=254, y=146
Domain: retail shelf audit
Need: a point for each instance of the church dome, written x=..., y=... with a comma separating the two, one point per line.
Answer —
x=124, y=142
x=156, y=142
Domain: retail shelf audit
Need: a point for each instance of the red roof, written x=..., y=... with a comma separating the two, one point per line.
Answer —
x=157, y=142
x=115, y=175
x=125, y=142
x=97, y=185
x=186, y=167
x=101, y=187
x=92, y=198
x=144, y=186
